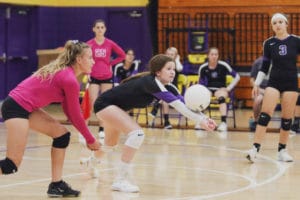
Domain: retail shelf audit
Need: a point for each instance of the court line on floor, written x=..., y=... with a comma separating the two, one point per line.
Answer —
x=281, y=170
x=47, y=179
x=37, y=181
x=253, y=183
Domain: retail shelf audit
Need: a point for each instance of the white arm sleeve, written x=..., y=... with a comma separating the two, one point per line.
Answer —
x=181, y=108
x=259, y=78
x=233, y=82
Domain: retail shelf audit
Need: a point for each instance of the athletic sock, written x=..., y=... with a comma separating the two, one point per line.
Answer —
x=257, y=146
x=281, y=146
x=223, y=118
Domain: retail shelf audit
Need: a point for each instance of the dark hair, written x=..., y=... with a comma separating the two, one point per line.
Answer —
x=129, y=49
x=212, y=48
x=155, y=64
x=98, y=21
x=158, y=62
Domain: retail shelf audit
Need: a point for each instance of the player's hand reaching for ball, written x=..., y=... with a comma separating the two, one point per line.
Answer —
x=208, y=124
x=94, y=146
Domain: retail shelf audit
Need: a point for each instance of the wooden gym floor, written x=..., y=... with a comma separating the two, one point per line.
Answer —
x=177, y=164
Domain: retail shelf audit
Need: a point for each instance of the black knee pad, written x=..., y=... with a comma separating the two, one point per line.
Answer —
x=263, y=119
x=286, y=124
x=8, y=166
x=221, y=100
x=62, y=141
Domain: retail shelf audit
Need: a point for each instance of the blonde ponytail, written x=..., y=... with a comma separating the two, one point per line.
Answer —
x=67, y=58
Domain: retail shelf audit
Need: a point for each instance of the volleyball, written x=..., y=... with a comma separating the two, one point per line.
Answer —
x=197, y=97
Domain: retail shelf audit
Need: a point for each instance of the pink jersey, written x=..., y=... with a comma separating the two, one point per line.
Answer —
x=34, y=93
x=102, y=68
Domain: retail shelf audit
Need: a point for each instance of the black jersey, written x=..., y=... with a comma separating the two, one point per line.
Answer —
x=137, y=93
x=283, y=56
x=215, y=78
x=120, y=73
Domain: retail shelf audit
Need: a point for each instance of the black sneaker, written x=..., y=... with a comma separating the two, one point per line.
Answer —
x=61, y=190
x=295, y=128
x=168, y=125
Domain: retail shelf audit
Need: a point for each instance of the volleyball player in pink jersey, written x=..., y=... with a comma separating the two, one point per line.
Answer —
x=101, y=78
x=22, y=110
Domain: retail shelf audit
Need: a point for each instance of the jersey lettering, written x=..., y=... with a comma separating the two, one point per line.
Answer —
x=100, y=53
x=282, y=50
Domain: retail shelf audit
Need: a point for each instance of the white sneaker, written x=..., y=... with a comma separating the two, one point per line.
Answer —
x=101, y=136
x=251, y=154
x=284, y=156
x=124, y=186
x=222, y=127
x=93, y=167
x=85, y=160
x=292, y=133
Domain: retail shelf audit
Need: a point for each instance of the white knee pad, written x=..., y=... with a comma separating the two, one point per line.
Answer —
x=108, y=149
x=135, y=139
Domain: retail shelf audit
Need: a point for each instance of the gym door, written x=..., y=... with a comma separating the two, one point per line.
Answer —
x=14, y=47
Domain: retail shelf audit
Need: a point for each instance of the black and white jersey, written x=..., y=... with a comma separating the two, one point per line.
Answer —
x=138, y=93
x=215, y=78
x=120, y=73
x=283, y=56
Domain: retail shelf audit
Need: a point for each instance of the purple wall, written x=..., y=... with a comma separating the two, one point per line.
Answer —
x=17, y=45
x=56, y=25
x=31, y=28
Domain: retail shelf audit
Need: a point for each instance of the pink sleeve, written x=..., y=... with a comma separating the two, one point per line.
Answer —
x=120, y=54
x=72, y=109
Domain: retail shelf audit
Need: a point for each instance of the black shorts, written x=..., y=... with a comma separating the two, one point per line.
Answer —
x=284, y=86
x=98, y=82
x=100, y=104
x=213, y=90
x=11, y=109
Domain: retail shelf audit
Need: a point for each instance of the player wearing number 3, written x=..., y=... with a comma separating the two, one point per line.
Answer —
x=137, y=92
x=281, y=50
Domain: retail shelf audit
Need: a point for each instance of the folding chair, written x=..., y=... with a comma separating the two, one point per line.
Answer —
x=181, y=83
x=214, y=104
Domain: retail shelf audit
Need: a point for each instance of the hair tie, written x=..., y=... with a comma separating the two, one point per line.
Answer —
x=75, y=41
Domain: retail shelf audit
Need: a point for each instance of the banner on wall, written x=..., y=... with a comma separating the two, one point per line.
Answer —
x=80, y=3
